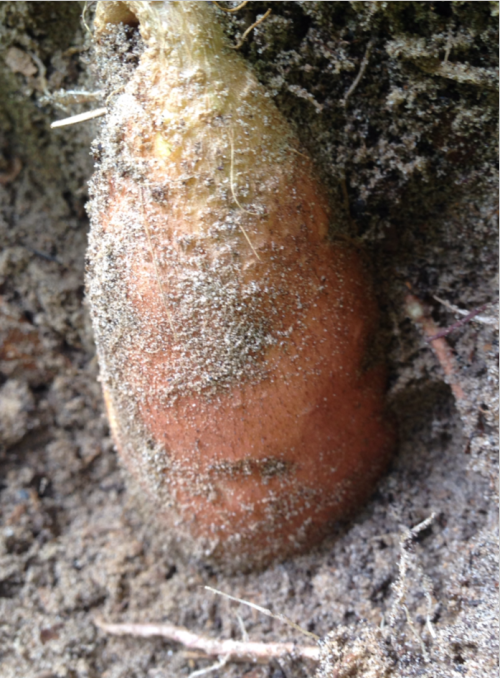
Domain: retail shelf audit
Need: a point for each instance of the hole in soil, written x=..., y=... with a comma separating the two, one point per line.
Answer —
x=172, y=570
x=9, y=588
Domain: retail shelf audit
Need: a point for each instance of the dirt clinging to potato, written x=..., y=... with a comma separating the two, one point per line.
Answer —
x=207, y=259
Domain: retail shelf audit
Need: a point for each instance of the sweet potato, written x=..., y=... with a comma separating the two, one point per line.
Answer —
x=233, y=336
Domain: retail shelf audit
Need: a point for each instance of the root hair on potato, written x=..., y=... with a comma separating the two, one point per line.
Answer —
x=238, y=202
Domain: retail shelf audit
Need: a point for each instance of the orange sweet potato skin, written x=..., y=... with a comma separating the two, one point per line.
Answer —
x=234, y=339
x=261, y=466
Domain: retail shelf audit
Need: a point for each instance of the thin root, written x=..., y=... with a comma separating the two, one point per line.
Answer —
x=459, y=323
x=81, y=117
x=243, y=630
x=417, y=313
x=469, y=315
x=12, y=172
x=250, y=29
x=214, y=667
x=231, y=182
x=409, y=561
x=234, y=650
x=361, y=72
x=112, y=94
x=416, y=634
x=84, y=17
x=63, y=98
x=235, y=9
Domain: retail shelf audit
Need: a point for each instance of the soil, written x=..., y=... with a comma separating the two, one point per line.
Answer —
x=410, y=163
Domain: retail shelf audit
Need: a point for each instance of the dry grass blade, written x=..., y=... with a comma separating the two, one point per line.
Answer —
x=268, y=613
x=81, y=117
